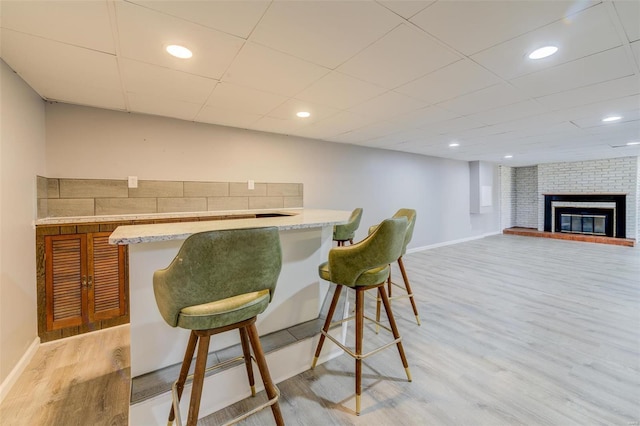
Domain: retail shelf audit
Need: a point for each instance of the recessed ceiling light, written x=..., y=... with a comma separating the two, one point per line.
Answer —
x=611, y=118
x=543, y=52
x=303, y=114
x=633, y=143
x=179, y=51
x=454, y=144
x=508, y=156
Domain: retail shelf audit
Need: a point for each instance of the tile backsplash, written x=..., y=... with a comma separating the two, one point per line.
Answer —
x=60, y=197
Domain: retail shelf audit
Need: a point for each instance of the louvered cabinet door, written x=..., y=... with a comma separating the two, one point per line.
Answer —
x=66, y=280
x=106, y=278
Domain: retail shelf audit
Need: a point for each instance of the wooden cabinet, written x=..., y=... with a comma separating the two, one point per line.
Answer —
x=85, y=279
x=82, y=280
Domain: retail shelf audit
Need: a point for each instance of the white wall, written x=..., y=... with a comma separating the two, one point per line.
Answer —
x=22, y=157
x=87, y=142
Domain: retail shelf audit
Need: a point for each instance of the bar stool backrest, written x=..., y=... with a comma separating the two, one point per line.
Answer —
x=410, y=214
x=347, y=231
x=379, y=249
x=216, y=265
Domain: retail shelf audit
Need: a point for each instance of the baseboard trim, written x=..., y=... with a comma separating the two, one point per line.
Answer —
x=452, y=242
x=13, y=377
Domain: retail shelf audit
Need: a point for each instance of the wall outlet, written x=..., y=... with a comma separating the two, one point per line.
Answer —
x=133, y=181
x=251, y=185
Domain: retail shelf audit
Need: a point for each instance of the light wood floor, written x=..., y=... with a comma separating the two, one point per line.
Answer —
x=515, y=330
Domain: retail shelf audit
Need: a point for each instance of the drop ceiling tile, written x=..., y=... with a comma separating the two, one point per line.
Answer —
x=212, y=50
x=491, y=97
x=368, y=133
x=635, y=48
x=388, y=105
x=336, y=124
x=164, y=83
x=455, y=125
x=456, y=79
x=609, y=65
x=340, y=91
x=423, y=117
x=610, y=89
x=84, y=24
x=401, y=56
x=63, y=72
x=234, y=97
x=628, y=131
x=233, y=17
x=277, y=125
x=265, y=69
x=225, y=117
x=629, y=14
x=157, y=105
x=288, y=110
x=94, y=96
x=595, y=118
x=325, y=33
x=472, y=26
x=518, y=110
x=583, y=34
x=407, y=8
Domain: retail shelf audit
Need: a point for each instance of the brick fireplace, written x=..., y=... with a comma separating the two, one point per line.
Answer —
x=586, y=196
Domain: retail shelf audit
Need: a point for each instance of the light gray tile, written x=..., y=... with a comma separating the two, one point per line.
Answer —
x=157, y=188
x=266, y=203
x=240, y=189
x=290, y=202
x=43, y=208
x=206, y=189
x=92, y=188
x=283, y=189
x=125, y=205
x=53, y=188
x=41, y=184
x=227, y=203
x=168, y=205
x=62, y=207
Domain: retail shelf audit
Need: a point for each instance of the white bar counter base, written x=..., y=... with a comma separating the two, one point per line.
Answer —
x=306, y=238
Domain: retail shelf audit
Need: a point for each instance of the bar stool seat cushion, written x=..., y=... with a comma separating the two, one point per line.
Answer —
x=224, y=312
x=366, y=278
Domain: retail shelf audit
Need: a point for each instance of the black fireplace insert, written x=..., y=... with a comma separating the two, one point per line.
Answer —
x=588, y=220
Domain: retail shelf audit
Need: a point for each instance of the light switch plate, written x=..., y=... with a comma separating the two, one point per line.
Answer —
x=251, y=185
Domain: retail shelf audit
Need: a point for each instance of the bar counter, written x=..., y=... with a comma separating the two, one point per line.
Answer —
x=306, y=238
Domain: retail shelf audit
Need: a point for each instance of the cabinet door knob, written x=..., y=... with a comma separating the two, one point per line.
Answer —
x=90, y=282
x=84, y=282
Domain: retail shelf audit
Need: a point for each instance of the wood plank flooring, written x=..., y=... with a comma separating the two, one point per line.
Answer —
x=81, y=380
x=515, y=331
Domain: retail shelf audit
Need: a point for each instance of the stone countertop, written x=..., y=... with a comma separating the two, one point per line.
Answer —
x=152, y=216
x=295, y=219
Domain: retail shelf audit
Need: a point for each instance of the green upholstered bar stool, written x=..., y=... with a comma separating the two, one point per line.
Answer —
x=220, y=281
x=364, y=266
x=410, y=214
x=346, y=232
